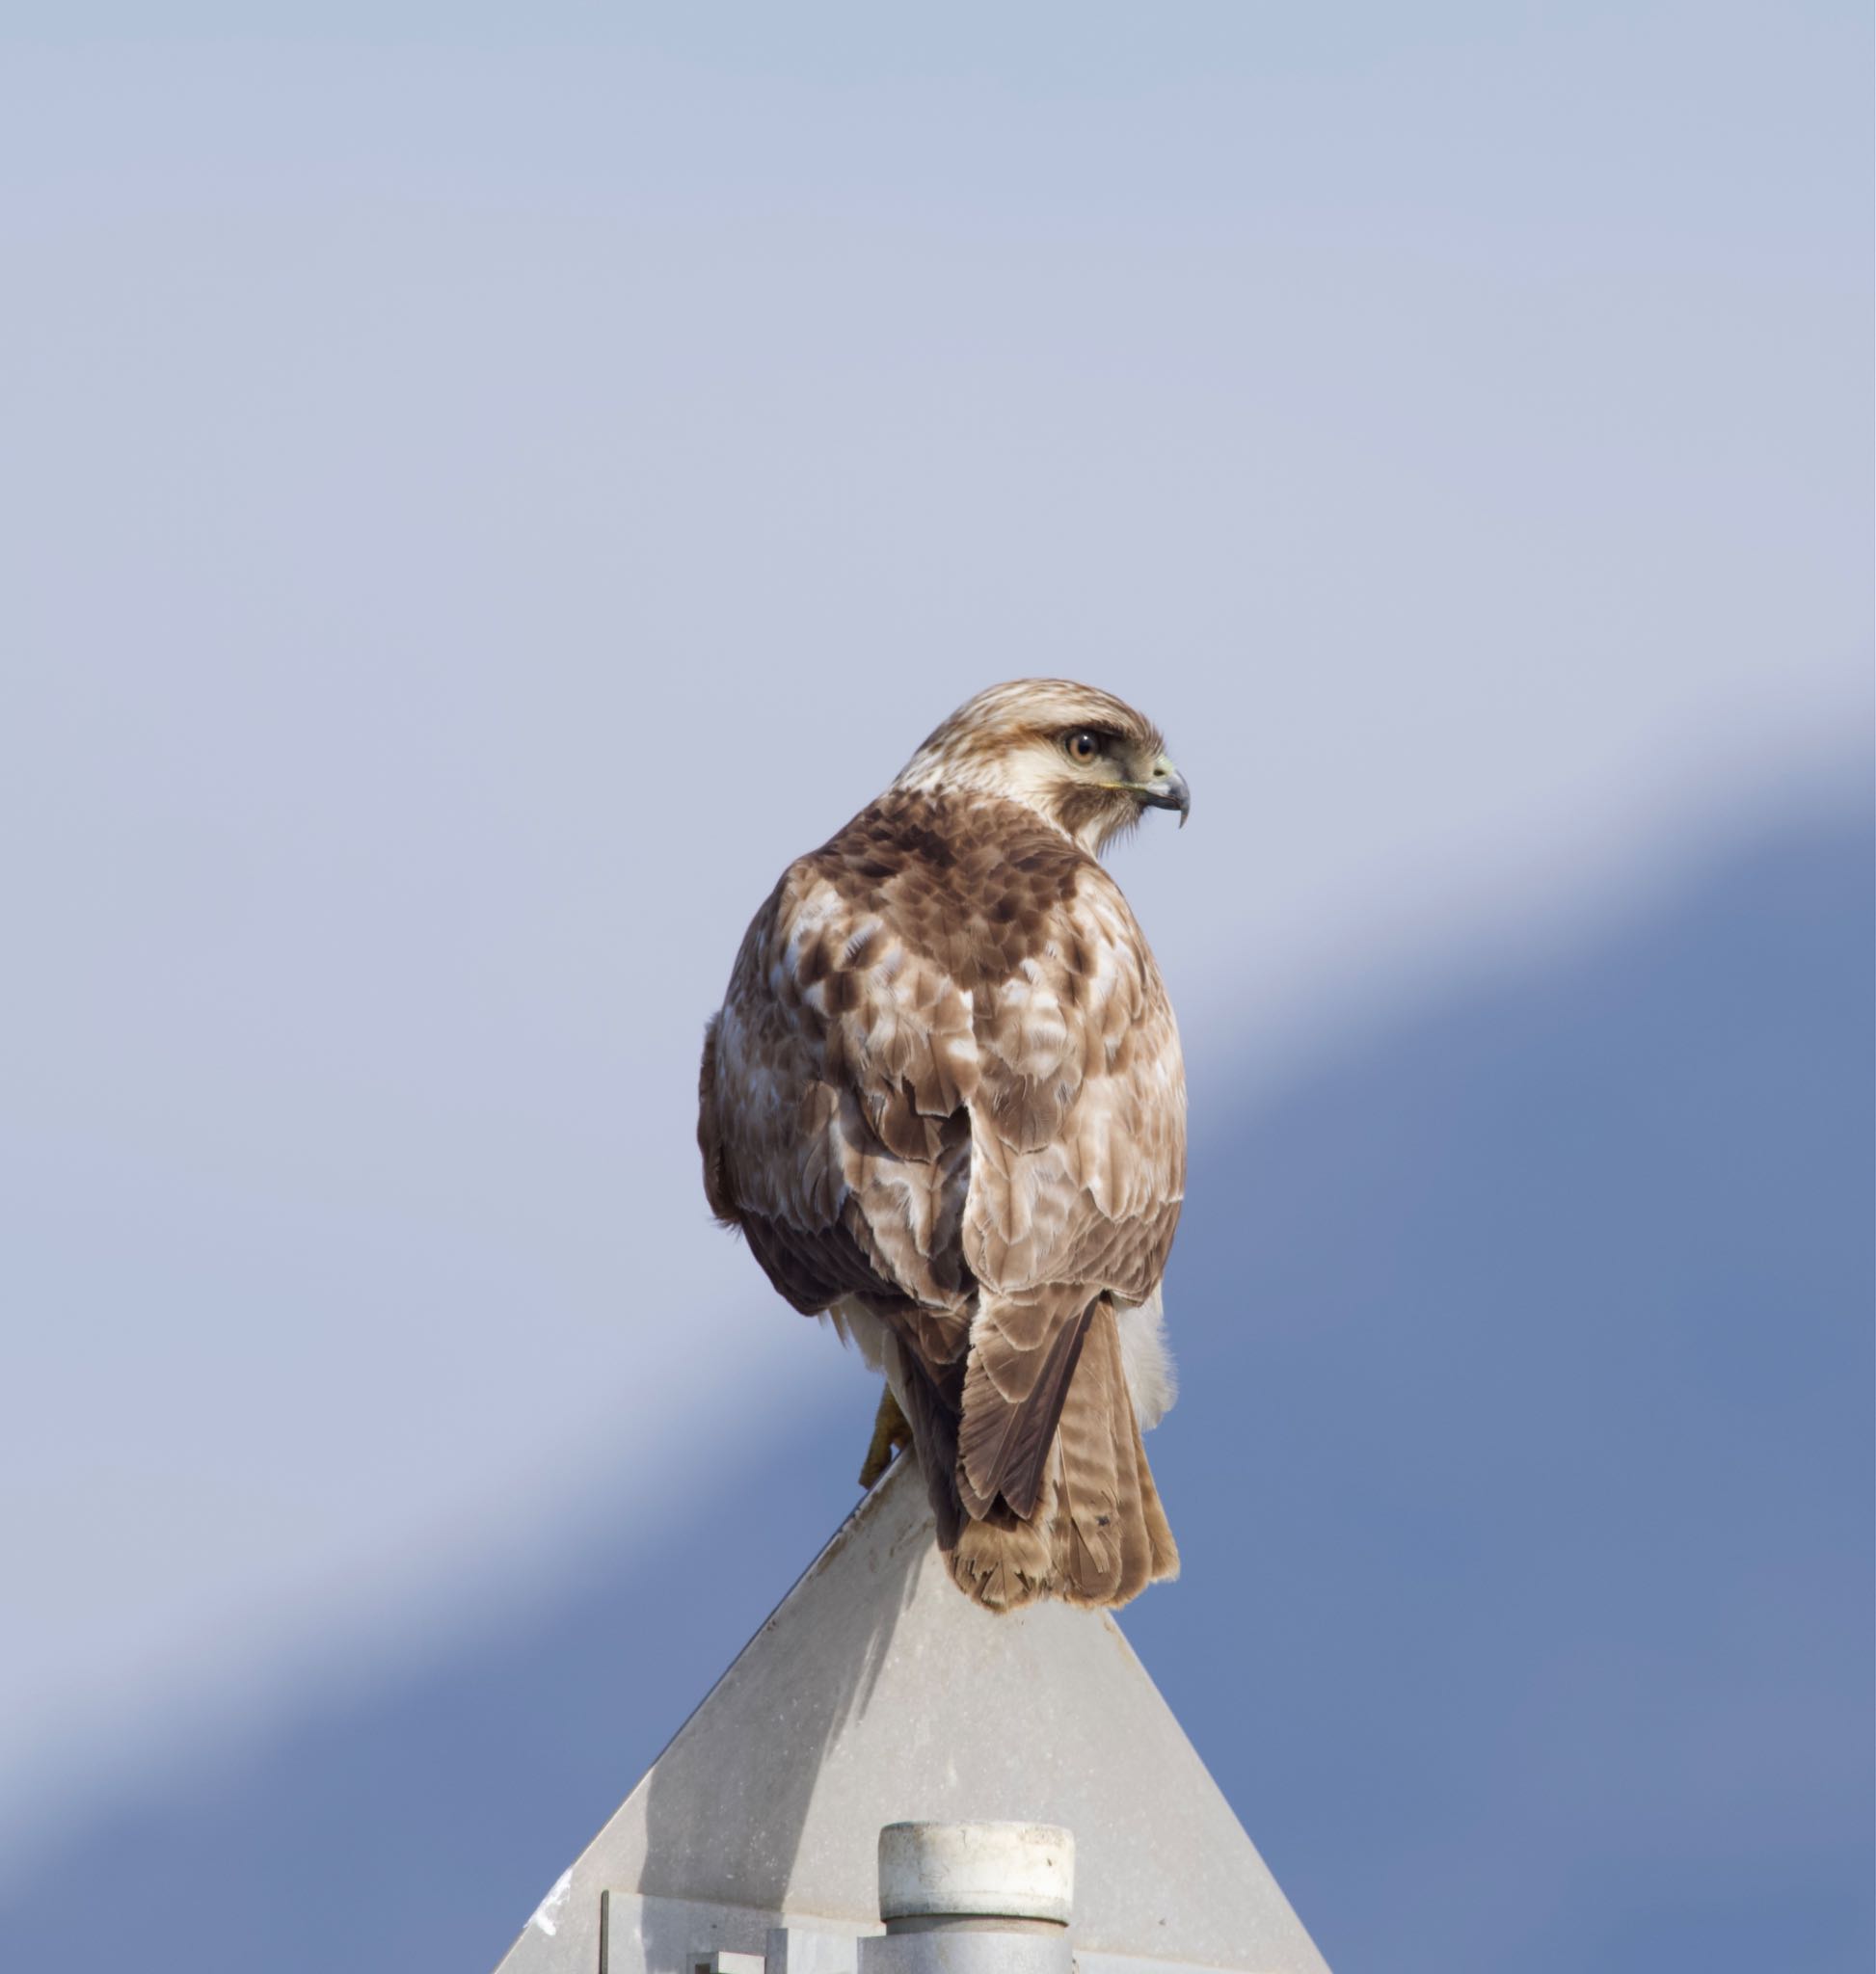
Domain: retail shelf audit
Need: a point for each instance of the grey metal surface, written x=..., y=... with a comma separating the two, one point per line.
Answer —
x=877, y=1695
x=976, y=1870
x=987, y=1950
x=811, y=1950
x=674, y=1935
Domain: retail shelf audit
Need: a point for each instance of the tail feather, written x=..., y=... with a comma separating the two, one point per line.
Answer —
x=1095, y=1459
x=1006, y=1441
x=1096, y=1533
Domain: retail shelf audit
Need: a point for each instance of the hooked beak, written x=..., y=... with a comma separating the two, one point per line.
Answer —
x=1166, y=790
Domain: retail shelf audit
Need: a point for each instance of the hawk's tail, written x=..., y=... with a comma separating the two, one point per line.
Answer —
x=1094, y=1531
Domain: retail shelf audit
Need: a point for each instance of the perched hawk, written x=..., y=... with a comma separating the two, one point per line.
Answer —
x=945, y=1103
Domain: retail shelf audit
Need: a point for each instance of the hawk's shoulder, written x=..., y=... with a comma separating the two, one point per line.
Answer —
x=973, y=881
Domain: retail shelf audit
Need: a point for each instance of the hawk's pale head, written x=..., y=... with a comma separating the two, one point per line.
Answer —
x=1083, y=760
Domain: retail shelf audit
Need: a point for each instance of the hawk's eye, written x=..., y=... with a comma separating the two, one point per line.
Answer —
x=1081, y=745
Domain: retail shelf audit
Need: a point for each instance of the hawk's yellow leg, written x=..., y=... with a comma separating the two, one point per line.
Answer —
x=889, y=1432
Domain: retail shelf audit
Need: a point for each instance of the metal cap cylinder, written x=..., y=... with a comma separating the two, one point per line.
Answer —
x=977, y=1871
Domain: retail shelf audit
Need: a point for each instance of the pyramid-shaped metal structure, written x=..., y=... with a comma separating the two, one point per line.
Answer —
x=875, y=1694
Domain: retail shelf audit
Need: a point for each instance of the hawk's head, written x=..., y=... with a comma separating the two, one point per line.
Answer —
x=1083, y=760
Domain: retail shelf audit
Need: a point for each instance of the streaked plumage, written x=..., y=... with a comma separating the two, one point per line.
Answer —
x=944, y=1100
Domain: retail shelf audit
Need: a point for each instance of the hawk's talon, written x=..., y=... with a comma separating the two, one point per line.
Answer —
x=889, y=1432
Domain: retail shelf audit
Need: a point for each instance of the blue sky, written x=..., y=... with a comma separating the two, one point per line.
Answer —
x=1522, y=1475
x=483, y=500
